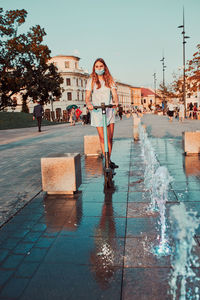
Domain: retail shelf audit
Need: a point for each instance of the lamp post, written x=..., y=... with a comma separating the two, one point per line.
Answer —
x=51, y=101
x=163, y=69
x=184, y=42
x=154, y=75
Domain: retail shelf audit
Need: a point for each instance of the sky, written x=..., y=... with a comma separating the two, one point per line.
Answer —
x=130, y=35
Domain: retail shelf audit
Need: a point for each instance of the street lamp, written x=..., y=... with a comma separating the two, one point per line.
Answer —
x=163, y=69
x=184, y=42
x=154, y=75
x=51, y=101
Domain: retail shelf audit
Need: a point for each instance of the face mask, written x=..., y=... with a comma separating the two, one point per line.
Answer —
x=99, y=72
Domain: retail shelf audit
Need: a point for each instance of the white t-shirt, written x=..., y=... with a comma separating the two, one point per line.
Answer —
x=84, y=111
x=181, y=107
x=171, y=106
x=103, y=94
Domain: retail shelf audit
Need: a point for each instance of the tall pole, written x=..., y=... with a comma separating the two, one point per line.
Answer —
x=154, y=75
x=163, y=69
x=184, y=42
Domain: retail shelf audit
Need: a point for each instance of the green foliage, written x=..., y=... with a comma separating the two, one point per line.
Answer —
x=194, y=71
x=24, y=66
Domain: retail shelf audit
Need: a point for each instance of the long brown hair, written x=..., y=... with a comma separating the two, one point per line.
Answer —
x=106, y=76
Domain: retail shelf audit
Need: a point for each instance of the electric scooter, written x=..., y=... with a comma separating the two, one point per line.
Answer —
x=108, y=172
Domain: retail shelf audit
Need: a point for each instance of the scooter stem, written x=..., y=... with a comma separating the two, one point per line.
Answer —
x=105, y=135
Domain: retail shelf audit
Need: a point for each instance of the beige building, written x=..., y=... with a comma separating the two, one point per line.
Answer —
x=129, y=96
x=149, y=98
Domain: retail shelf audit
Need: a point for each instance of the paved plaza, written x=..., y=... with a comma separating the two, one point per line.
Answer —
x=95, y=244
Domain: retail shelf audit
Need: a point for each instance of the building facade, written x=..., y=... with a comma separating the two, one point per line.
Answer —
x=73, y=88
x=129, y=96
x=74, y=83
x=149, y=98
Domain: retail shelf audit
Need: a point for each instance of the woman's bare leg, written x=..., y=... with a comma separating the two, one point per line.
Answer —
x=110, y=132
x=101, y=138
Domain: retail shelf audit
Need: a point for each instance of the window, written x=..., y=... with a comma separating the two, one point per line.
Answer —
x=82, y=96
x=69, y=96
x=77, y=81
x=144, y=100
x=81, y=82
x=78, y=96
x=66, y=64
x=68, y=81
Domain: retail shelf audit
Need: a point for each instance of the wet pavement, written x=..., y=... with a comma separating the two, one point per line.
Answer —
x=97, y=244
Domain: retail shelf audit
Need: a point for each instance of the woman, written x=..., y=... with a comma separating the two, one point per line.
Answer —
x=181, y=112
x=101, y=88
x=170, y=110
x=72, y=117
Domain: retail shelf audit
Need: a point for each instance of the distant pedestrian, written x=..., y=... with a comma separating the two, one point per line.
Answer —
x=170, y=111
x=88, y=120
x=78, y=113
x=120, y=112
x=38, y=113
x=191, y=110
x=195, y=111
x=72, y=117
x=84, y=115
x=181, y=113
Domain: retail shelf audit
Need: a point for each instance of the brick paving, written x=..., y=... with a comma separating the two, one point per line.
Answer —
x=92, y=245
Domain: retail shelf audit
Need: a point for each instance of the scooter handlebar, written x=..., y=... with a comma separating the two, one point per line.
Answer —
x=104, y=106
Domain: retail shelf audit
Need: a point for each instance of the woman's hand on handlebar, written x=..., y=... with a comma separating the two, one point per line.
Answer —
x=115, y=105
x=90, y=107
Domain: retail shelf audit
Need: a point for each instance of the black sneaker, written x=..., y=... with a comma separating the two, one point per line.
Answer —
x=113, y=165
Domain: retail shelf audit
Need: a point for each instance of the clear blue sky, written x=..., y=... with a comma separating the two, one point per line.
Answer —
x=130, y=35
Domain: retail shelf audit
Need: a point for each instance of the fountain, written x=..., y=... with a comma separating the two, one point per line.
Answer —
x=159, y=194
x=156, y=179
x=183, y=224
x=184, y=282
x=151, y=164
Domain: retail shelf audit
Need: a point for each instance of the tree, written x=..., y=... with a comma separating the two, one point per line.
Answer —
x=166, y=93
x=24, y=66
x=194, y=71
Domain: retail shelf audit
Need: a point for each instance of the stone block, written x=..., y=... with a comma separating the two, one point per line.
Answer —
x=92, y=145
x=191, y=142
x=61, y=173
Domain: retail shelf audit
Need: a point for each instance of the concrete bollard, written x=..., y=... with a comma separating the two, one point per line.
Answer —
x=191, y=142
x=92, y=145
x=136, y=122
x=61, y=173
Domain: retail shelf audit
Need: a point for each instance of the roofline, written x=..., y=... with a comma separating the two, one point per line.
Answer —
x=125, y=84
x=67, y=56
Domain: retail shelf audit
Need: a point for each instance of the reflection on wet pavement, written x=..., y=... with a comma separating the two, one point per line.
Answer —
x=63, y=211
x=93, y=166
x=191, y=165
x=96, y=244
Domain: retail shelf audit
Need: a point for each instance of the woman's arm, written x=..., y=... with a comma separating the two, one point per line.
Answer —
x=115, y=96
x=87, y=100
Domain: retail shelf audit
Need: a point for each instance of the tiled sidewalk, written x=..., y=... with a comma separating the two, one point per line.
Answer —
x=94, y=245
